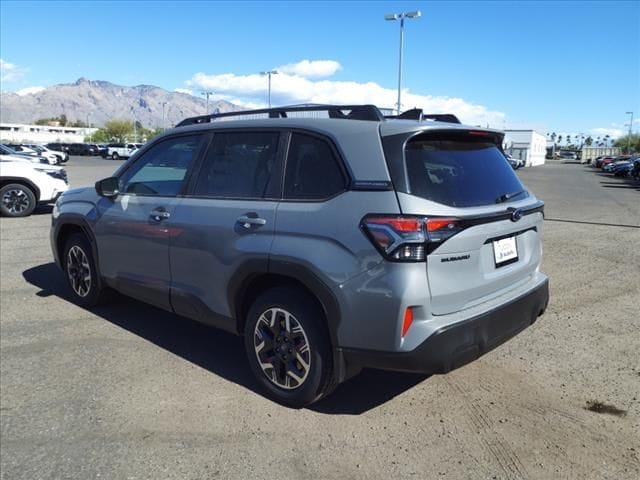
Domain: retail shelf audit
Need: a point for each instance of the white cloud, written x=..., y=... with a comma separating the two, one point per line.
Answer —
x=311, y=68
x=184, y=90
x=250, y=91
x=29, y=91
x=601, y=132
x=10, y=72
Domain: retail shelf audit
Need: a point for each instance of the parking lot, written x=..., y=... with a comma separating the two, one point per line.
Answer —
x=127, y=391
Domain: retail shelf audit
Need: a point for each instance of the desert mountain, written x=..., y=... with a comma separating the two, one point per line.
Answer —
x=103, y=101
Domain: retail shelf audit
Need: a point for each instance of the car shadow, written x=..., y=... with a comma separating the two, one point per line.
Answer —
x=217, y=351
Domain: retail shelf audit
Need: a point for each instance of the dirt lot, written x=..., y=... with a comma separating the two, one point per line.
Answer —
x=131, y=392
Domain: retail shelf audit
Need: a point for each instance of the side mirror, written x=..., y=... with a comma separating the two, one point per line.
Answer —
x=107, y=187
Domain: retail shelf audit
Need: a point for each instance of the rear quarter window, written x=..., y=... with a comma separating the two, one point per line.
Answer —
x=460, y=171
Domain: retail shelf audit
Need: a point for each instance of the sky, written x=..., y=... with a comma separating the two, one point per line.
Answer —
x=556, y=66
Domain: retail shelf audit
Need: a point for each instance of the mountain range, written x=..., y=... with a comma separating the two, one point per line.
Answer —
x=98, y=101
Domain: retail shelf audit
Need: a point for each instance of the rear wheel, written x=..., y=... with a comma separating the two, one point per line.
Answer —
x=288, y=346
x=81, y=273
x=17, y=200
x=115, y=156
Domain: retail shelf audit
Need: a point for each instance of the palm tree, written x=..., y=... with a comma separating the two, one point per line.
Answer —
x=559, y=139
x=553, y=137
x=589, y=141
x=568, y=139
x=606, y=140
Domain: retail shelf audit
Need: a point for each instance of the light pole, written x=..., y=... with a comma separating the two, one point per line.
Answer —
x=206, y=93
x=164, y=104
x=630, y=131
x=269, y=73
x=135, y=129
x=401, y=17
x=88, y=126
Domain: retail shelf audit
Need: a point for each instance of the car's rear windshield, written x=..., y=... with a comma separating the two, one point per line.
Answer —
x=460, y=170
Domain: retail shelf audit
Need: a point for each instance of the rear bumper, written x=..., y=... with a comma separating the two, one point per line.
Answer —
x=458, y=344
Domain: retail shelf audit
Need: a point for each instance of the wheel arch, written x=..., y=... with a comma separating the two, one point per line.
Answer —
x=66, y=226
x=244, y=290
x=21, y=181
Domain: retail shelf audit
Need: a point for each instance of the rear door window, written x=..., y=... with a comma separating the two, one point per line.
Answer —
x=313, y=171
x=239, y=165
x=460, y=171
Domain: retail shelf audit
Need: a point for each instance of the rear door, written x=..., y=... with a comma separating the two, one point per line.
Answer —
x=227, y=223
x=492, y=244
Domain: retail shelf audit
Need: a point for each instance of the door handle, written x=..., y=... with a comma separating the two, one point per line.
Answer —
x=159, y=214
x=247, y=221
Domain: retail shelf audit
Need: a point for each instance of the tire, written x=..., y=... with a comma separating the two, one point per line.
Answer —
x=81, y=274
x=304, y=343
x=17, y=200
x=115, y=156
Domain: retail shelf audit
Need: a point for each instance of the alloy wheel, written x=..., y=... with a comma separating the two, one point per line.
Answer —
x=79, y=271
x=16, y=201
x=282, y=348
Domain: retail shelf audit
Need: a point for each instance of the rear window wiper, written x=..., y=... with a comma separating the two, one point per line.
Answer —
x=508, y=196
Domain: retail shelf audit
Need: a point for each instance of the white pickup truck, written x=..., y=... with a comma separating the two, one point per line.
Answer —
x=117, y=151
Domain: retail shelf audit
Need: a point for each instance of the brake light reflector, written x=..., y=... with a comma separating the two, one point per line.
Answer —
x=408, y=320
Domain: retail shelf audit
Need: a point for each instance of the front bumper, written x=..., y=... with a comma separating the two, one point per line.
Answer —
x=456, y=345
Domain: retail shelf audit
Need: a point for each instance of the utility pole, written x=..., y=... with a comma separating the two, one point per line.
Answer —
x=206, y=93
x=630, y=132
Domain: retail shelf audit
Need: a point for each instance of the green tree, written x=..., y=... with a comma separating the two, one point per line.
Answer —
x=628, y=143
x=118, y=130
x=589, y=141
x=63, y=120
x=559, y=139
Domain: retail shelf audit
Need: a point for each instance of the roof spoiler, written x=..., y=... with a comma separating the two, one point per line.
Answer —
x=417, y=114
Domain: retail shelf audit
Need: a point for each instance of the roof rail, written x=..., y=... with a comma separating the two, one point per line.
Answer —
x=416, y=114
x=353, y=112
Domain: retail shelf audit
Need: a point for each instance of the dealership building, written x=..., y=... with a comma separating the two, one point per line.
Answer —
x=21, y=133
x=527, y=145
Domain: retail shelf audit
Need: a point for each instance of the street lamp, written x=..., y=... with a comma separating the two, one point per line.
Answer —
x=630, y=131
x=269, y=73
x=401, y=17
x=164, y=104
x=206, y=93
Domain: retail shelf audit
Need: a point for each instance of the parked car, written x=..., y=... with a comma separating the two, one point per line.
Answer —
x=30, y=157
x=607, y=160
x=59, y=156
x=24, y=185
x=32, y=152
x=120, y=150
x=636, y=169
x=568, y=156
x=618, y=161
x=81, y=149
x=386, y=250
x=515, y=163
x=60, y=147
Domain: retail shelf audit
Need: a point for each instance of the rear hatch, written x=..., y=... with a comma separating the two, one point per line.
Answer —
x=490, y=240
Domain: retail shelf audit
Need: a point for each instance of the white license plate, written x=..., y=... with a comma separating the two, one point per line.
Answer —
x=505, y=251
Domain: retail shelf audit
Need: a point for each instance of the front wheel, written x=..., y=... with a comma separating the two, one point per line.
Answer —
x=17, y=200
x=81, y=273
x=288, y=346
x=115, y=156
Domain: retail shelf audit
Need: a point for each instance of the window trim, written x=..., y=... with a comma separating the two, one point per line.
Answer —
x=337, y=154
x=276, y=173
x=143, y=151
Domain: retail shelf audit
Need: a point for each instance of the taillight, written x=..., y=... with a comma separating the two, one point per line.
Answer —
x=408, y=238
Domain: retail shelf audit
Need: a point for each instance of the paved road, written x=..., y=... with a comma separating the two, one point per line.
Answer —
x=130, y=392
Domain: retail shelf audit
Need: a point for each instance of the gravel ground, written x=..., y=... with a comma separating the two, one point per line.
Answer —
x=131, y=392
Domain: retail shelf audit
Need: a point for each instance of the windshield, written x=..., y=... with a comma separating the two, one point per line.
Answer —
x=460, y=171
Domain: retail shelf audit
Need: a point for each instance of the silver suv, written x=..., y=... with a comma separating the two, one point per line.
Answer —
x=331, y=237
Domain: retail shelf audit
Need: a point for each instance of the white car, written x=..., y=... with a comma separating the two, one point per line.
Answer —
x=24, y=185
x=59, y=157
x=117, y=151
x=7, y=151
x=25, y=150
